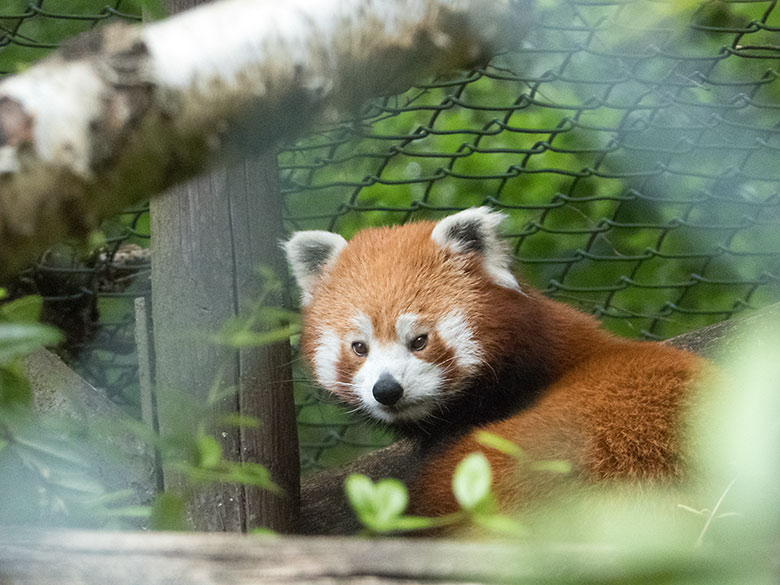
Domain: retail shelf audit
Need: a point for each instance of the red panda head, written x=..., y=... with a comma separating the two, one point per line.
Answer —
x=399, y=319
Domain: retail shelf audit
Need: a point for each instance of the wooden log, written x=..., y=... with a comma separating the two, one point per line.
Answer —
x=724, y=337
x=144, y=346
x=59, y=391
x=97, y=558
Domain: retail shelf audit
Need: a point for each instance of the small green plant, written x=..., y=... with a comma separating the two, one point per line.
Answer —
x=380, y=506
x=264, y=322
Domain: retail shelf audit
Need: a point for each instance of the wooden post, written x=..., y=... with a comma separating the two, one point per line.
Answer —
x=209, y=237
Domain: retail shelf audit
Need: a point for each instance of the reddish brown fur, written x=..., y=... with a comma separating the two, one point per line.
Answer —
x=616, y=417
x=610, y=406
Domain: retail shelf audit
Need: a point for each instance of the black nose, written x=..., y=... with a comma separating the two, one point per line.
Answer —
x=387, y=391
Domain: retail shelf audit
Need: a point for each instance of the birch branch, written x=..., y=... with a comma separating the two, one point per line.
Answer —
x=124, y=111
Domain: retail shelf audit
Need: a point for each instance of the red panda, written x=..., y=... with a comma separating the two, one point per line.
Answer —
x=424, y=327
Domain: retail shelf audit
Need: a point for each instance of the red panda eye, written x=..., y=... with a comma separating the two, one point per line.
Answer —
x=419, y=343
x=360, y=348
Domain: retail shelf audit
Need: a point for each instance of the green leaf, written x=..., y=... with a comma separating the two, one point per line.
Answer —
x=252, y=474
x=77, y=482
x=128, y=512
x=378, y=505
x=14, y=389
x=471, y=481
x=240, y=420
x=360, y=492
x=113, y=497
x=168, y=513
x=504, y=525
x=33, y=448
x=244, y=338
x=17, y=339
x=209, y=452
x=390, y=501
x=24, y=310
x=217, y=392
x=96, y=239
x=500, y=444
x=229, y=472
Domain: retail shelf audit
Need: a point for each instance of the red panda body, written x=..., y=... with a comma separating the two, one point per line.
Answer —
x=424, y=327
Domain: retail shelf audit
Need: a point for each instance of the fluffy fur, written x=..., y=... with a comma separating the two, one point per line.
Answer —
x=433, y=310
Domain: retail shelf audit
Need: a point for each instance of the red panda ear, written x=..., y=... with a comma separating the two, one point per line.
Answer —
x=475, y=230
x=310, y=254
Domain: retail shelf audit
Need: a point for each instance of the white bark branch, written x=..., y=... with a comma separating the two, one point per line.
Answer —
x=126, y=111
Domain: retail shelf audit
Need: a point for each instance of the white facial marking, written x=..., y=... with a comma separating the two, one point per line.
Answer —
x=454, y=330
x=326, y=356
x=420, y=380
x=405, y=327
x=363, y=327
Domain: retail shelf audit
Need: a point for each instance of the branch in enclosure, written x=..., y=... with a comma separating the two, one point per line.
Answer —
x=124, y=111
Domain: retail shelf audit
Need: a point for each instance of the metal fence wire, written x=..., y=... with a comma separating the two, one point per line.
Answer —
x=634, y=146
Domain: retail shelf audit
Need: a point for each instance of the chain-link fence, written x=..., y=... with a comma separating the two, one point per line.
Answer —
x=634, y=146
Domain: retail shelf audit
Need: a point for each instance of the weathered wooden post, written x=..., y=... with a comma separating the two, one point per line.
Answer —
x=210, y=235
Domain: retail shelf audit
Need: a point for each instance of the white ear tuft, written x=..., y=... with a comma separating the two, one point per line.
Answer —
x=310, y=254
x=476, y=230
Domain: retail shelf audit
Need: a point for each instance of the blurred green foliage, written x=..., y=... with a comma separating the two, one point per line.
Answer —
x=44, y=474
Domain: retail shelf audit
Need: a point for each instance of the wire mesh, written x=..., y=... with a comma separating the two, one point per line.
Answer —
x=633, y=144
